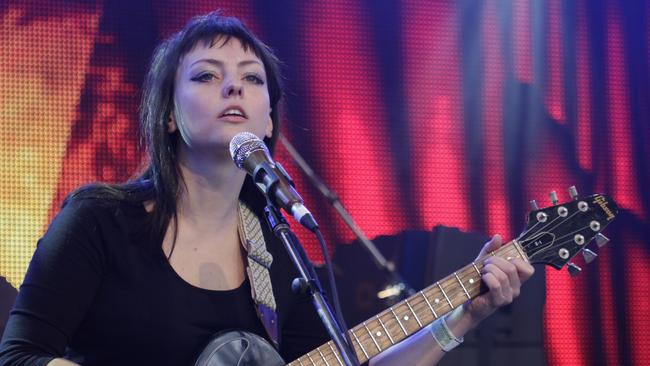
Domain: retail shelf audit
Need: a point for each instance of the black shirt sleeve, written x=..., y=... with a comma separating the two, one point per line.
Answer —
x=59, y=286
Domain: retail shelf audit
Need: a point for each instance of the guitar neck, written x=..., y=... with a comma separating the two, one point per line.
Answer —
x=409, y=316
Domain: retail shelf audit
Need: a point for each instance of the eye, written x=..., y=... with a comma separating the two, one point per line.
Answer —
x=204, y=77
x=254, y=78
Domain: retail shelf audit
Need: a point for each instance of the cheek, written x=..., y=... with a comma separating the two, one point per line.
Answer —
x=265, y=104
x=191, y=108
x=192, y=104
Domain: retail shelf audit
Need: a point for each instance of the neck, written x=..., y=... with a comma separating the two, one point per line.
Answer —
x=211, y=188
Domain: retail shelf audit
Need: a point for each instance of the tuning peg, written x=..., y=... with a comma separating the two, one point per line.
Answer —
x=574, y=270
x=601, y=239
x=573, y=192
x=588, y=255
x=533, y=205
x=553, y=196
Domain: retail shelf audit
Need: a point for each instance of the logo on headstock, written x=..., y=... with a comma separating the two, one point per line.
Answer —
x=602, y=202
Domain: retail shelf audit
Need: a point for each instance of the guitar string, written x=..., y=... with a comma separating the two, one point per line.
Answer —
x=565, y=219
x=570, y=240
x=571, y=233
x=419, y=306
x=325, y=354
x=417, y=303
x=529, y=229
x=558, y=239
x=545, y=227
x=392, y=325
x=525, y=247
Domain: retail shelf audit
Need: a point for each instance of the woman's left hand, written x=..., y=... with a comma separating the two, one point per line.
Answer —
x=502, y=277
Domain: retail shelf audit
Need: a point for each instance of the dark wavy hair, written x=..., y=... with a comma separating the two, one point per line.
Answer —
x=161, y=180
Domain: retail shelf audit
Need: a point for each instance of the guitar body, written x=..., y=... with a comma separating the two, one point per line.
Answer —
x=237, y=348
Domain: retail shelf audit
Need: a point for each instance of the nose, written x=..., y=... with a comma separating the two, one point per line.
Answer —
x=232, y=90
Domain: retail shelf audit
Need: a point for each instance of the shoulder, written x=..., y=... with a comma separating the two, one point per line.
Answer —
x=91, y=213
x=89, y=209
x=89, y=231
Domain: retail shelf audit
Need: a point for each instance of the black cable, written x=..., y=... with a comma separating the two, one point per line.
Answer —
x=330, y=275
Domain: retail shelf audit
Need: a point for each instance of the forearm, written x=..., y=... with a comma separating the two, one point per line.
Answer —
x=422, y=348
x=503, y=279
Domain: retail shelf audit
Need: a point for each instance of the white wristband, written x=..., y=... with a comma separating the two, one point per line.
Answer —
x=443, y=336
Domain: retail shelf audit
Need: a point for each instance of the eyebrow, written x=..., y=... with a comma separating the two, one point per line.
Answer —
x=220, y=63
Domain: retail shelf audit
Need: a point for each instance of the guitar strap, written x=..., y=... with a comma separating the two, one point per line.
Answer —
x=259, y=263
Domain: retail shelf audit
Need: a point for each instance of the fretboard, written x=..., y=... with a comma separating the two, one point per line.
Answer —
x=409, y=316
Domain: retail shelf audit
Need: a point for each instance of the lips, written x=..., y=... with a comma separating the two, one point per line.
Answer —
x=233, y=112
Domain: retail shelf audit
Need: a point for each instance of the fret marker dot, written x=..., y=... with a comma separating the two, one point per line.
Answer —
x=437, y=301
x=471, y=280
x=406, y=317
x=378, y=334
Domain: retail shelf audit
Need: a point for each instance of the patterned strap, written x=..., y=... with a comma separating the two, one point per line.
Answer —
x=259, y=263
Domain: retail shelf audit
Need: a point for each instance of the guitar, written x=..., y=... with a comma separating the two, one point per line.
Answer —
x=553, y=236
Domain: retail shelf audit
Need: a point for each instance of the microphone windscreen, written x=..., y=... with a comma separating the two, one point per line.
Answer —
x=242, y=144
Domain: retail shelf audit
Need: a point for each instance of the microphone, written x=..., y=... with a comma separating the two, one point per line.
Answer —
x=250, y=154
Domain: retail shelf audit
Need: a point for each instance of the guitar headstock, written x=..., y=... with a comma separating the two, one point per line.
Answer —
x=556, y=234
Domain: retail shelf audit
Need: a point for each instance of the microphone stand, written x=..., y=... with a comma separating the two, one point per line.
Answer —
x=308, y=282
x=398, y=282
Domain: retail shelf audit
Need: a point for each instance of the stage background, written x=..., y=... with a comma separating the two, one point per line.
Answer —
x=417, y=113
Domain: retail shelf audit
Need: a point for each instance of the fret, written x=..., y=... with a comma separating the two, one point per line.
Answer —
x=310, y=359
x=445, y=294
x=336, y=354
x=414, y=314
x=398, y=321
x=476, y=268
x=360, y=345
x=461, y=285
x=323, y=357
x=385, y=330
x=300, y=362
x=372, y=337
x=429, y=305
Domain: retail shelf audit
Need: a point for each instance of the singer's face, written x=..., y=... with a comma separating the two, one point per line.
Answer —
x=220, y=90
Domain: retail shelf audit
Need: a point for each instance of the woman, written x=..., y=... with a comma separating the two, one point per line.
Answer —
x=147, y=272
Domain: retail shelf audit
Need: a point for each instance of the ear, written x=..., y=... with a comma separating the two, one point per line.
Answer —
x=171, y=123
x=269, y=128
